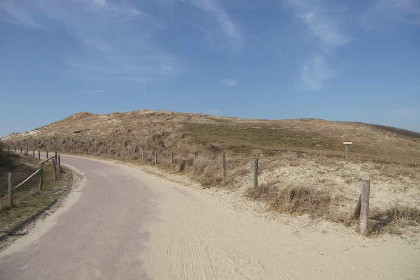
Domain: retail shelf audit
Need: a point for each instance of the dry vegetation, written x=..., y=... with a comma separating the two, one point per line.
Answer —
x=28, y=200
x=302, y=165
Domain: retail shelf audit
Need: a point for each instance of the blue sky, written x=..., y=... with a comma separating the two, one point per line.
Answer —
x=335, y=60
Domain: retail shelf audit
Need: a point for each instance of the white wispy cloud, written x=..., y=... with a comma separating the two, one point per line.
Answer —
x=316, y=72
x=384, y=13
x=323, y=25
x=229, y=82
x=113, y=38
x=10, y=12
x=321, y=22
x=233, y=37
x=100, y=3
x=324, y=29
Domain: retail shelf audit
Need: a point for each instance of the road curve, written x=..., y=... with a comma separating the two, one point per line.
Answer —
x=126, y=224
x=101, y=236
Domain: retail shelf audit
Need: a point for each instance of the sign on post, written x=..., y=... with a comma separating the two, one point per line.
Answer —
x=347, y=144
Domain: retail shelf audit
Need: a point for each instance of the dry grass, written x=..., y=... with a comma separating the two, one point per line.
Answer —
x=293, y=200
x=28, y=200
x=394, y=220
x=307, y=154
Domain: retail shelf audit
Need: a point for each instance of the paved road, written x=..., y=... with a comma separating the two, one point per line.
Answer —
x=126, y=224
x=101, y=236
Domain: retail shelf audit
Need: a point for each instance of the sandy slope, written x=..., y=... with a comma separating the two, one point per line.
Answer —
x=128, y=224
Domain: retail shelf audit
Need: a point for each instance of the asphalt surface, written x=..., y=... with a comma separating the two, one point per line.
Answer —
x=101, y=236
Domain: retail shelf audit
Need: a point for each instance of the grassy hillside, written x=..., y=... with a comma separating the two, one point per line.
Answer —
x=184, y=133
x=299, y=156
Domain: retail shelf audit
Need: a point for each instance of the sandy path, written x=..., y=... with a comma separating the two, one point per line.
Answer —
x=128, y=224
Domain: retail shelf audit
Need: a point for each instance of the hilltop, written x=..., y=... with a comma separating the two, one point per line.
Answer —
x=183, y=132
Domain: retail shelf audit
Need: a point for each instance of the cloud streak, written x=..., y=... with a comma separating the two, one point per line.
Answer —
x=315, y=73
x=229, y=82
x=113, y=38
x=323, y=26
x=388, y=12
x=233, y=37
x=13, y=14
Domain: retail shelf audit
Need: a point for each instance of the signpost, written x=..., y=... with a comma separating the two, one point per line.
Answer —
x=347, y=143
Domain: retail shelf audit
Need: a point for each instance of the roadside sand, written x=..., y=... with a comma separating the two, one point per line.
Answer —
x=217, y=234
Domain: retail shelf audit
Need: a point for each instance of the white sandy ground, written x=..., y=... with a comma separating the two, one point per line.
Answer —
x=216, y=234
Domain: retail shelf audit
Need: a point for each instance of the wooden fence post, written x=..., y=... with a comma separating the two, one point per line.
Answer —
x=41, y=177
x=156, y=160
x=10, y=189
x=59, y=162
x=356, y=213
x=39, y=154
x=33, y=153
x=172, y=158
x=223, y=166
x=142, y=154
x=195, y=157
x=47, y=154
x=55, y=169
x=255, y=172
x=364, y=206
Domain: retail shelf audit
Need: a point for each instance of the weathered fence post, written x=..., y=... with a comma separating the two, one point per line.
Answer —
x=59, y=162
x=55, y=169
x=33, y=153
x=10, y=189
x=195, y=157
x=39, y=154
x=223, y=166
x=364, y=206
x=156, y=160
x=47, y=154
x=356, y=213
x=255, y=171
x=172, y=158
x=41, y=177
x=142, y=154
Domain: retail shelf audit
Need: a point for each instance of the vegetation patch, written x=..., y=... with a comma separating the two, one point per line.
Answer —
x=293, y=200
x=395, y=220
x=28, y=200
